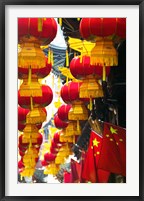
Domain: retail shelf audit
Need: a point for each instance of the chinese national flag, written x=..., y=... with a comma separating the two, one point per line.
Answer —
x=113, y=151
x=67, y=177
x=90, y=171
x=74, y=171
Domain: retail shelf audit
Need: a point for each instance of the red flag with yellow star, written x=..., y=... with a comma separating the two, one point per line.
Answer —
x=113, y=151
x=90, y=171
x=74, y=171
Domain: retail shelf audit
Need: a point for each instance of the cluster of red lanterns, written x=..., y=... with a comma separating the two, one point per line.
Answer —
x=33, y=96
x=59, y=150
x=103, y=31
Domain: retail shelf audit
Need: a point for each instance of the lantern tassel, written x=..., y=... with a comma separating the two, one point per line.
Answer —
x=49, y=56
x=30, y=144
x=104, y=73
x=74, y=139
x=67, y=58
x=31, y=103
x=78, y=126
x=52, y=60
x=90, y=104
x=81, y=56
x=40, y=22
x=66, y=80
x=29, y=75
x=60, y=21
x=21, y=177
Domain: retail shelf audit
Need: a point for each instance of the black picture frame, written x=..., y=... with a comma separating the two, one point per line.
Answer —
x=3, y=3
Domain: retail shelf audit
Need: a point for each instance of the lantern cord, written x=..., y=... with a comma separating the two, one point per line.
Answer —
x=30, y=143
x=60, y=21
x=81, y=57
x=67, y=58
x=49, y=56
x=74, y=139
x=31, y=103
x=40, y=23
x=29, y=75
x=104, y=73
x=52, y=59
x=21, y=177
x=90, y=104
x=78, y=126
x=67, y=80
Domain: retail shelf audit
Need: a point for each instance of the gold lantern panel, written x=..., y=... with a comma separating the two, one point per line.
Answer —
x=31, y=87
x=36, y=116
x=52, y=169
x=104, y=53
x=78, y=111
x=30, y=134
x=30, y=53
x=71, y=129
x=27, y=172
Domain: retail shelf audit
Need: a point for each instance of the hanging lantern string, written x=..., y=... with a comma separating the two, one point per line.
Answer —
x=81, y=56
x=67, y=58
x=60, y=21
x=74, y=139
x=40, y=24
x=78, y=126
x=104, y=73
x=30, y=143
x=29, y=75
x=52, y=58
x=31, y=102
x=21, y=177
x=49, y=56
x=90, y=104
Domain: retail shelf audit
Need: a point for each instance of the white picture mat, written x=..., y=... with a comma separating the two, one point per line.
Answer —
x=131, y=188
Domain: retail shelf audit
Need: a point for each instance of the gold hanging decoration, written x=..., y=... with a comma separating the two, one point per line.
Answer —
x=30, y=53
x=34, y=89
x=104, y=53
x=36, y=116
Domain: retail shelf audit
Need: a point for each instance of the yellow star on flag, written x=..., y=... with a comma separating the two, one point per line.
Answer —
x=95, y=142
x=112, y=130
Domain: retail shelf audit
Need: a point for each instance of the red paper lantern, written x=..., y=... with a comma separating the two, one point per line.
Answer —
x=21, y=153
x=36, y=160
x=44, y=163
x=59, y=123
x=39, y=139
x=22, y=148
x=39, y=72
x=102, y=27
x=22, y=112
x=40, y=101
x=20, y=164
x=70, y=92
x=22, y=126
x=21, y=142
x=81, y=69
x=42, y=28
x=54, y=150
x=63, y=112
x=49, y=157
